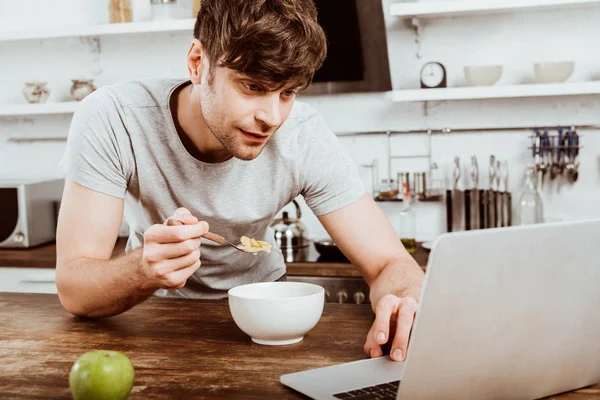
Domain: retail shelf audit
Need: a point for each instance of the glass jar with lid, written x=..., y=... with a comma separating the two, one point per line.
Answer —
x=164, y=10
x=387, y=190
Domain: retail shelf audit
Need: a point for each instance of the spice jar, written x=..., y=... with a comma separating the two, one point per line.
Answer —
x=81, y=88
x=387, y=190
x=120, y=11
x=36, y=92
x=164, y=10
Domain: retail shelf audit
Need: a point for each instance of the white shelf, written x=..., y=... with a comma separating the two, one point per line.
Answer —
x=13, y=110
x=497, y=92
x=178, y=25
x=453, y=7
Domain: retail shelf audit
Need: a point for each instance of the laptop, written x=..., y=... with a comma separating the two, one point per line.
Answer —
x=507, y=313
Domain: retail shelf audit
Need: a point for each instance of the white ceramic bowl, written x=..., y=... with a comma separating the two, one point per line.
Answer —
x=553, y=72
x=483, y=75
x=276, y=313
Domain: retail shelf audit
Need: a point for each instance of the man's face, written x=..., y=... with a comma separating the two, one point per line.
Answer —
x=242, y=114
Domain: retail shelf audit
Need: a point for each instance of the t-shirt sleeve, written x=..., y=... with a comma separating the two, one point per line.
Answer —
x=93, y=156
x=329, y=180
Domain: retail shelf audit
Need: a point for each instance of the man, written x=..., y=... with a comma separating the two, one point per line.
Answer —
x=229, y=148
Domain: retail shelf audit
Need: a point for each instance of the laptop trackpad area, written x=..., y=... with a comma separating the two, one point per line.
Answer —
x=324, y=383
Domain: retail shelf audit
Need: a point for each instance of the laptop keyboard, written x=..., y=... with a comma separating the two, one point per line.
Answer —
x=383, y=391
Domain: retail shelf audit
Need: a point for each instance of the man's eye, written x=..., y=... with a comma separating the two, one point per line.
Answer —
x=253, y=87
x=289, y=93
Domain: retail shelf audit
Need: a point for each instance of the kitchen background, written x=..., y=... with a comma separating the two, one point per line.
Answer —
x=31, y=145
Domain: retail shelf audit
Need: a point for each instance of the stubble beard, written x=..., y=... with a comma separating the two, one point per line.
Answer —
x=230, y=139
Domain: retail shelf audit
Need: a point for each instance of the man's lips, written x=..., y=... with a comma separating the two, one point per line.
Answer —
x=255, y=137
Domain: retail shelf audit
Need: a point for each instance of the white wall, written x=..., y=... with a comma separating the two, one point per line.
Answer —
x=515, y=40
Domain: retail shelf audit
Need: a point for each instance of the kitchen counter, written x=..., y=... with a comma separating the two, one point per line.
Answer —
x=307, y=263
x=180, y=349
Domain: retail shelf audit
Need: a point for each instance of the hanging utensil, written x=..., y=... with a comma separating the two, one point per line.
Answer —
x=491, y=197
x=467, y=210
x=506, y=201
x=544, y=148
x=555, y=164
x=575, y=144
x=571, y=152
x=449, y=216
x=562, y=157
x=474, y=193
x=483, y=208
x=499, y=196
x=537, y=144
x=457, y=199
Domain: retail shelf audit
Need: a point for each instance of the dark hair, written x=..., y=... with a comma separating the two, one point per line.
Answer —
x=276, y=42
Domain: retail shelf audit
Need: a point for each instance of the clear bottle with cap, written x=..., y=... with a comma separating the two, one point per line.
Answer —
x=407, y=220
x=531, y=208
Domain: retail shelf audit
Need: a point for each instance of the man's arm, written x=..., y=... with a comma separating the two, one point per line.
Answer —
x=91, y=284
x=365, y=236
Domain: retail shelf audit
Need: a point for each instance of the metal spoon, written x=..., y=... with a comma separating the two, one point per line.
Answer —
x=218, y=239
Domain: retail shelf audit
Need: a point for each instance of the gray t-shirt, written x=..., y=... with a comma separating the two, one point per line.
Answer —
x=123, y=142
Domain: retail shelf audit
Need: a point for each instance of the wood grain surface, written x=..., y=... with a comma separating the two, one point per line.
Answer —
x=181, y=349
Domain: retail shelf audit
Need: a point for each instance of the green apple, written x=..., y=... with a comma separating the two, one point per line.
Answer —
x=101, y=375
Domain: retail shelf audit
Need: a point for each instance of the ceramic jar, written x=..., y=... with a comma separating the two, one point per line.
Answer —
x=36, y=92
x=81, y=88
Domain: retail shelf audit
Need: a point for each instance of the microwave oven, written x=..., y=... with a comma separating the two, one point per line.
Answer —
x=29, y=212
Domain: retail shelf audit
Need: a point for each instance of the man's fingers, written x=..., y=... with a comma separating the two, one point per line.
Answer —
x=173, y=234
x=386, y=307
x=371, y=348
x=185, y=216
x=158, y=253
x=167, y=267
x=181, y=212
x=404, y=322
x=177, y=279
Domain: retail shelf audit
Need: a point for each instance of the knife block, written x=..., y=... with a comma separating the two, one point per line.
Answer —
x=477, y=209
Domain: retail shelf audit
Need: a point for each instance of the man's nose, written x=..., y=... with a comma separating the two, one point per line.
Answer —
x=269, y=113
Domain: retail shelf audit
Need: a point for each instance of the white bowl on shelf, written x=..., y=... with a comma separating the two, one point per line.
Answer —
x=485, y=75
x=276, y=313
x=553, y=72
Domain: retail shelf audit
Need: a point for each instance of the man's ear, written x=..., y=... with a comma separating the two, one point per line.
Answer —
x=196, y=61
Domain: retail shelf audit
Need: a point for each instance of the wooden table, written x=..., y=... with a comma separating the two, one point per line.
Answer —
x=181, y=349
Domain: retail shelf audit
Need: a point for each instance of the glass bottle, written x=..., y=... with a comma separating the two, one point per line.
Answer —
x=531, y=209
x=408, y=223
x=436, y=182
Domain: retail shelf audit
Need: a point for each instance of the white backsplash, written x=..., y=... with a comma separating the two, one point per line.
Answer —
x=515, y=40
